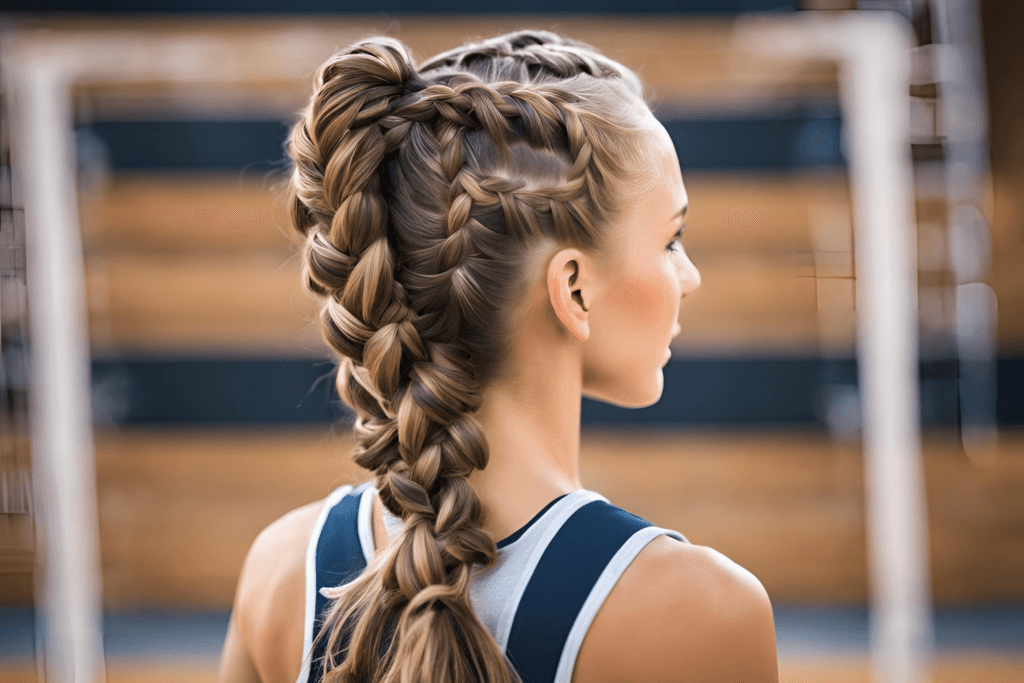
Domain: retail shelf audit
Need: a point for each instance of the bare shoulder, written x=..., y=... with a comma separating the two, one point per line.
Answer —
x=270, y=600
x=681, y=612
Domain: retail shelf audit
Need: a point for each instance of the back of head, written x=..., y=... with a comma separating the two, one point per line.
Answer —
x=426, y=196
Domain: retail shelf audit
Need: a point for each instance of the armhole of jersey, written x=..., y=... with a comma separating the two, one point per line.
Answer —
x=307, y=638
x=605, y=582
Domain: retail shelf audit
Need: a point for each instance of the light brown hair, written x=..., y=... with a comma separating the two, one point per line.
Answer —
x=424, y=196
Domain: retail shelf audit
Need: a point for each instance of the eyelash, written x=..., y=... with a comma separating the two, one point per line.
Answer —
x=675, y=240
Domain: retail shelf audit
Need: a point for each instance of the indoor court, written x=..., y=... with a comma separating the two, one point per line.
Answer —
x=210, y=399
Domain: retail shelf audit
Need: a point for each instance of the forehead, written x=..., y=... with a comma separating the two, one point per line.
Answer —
x=669, y=181
x=650, y=211
x=661, y=193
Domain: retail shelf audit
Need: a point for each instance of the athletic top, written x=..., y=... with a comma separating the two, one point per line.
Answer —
x=538, y=600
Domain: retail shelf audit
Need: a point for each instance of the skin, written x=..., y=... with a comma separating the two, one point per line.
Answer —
x=589, y=333
x=680, y=612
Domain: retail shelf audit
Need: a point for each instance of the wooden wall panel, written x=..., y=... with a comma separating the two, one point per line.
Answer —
x=686, y=60
x=202, y=264
x=232, y=304
x=184, y=213
x=216, y=212
x=180, y=508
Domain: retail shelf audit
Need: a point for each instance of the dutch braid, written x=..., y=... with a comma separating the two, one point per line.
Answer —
x=418, y=234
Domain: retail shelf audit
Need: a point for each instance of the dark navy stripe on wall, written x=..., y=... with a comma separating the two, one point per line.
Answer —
x=1010, y=391
x=214, y=391
x=417, y=6
x=790, y=141
x=778, y=143
x=140, y=633
x=187, y=145
x=760, y=392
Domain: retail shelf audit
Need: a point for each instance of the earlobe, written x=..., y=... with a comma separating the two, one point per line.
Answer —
x=568, y=299
x=584, y=330
x=581, y=310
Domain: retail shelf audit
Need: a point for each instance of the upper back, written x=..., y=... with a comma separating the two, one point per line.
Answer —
x=583, y=593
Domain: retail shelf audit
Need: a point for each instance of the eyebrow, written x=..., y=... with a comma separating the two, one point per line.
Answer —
x=681, y=212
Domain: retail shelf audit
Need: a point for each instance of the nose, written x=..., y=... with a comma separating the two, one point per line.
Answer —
x=690, y=279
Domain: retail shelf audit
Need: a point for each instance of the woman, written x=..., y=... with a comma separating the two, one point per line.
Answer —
x=493, y=234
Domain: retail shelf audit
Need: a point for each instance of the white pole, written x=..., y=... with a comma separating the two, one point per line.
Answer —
x=876, y=95
x=68, y=580
x=873, y=51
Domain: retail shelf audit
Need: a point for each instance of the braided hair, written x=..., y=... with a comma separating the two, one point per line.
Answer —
x=423, y=197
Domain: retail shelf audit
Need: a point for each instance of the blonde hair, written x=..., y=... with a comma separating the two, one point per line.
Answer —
x=423, y=194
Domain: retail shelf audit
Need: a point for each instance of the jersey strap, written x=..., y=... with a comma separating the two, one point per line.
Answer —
x=335, y=556
x=576, y=572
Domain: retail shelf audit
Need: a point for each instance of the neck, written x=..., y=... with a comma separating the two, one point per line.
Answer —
x=533, y=433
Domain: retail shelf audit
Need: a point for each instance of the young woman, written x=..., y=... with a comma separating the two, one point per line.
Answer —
x=494, y=234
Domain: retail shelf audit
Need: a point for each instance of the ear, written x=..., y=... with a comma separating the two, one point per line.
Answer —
x=570, y=288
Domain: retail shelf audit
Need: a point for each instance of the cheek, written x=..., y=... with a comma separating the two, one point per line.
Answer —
x=646, y=304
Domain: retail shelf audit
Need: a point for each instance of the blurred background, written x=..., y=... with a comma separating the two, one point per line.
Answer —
x=212, y=402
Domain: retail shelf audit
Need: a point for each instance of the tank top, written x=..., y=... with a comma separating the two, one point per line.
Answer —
x=538, y=599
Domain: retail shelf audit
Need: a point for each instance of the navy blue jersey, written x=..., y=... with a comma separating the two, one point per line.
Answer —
x=539, y=598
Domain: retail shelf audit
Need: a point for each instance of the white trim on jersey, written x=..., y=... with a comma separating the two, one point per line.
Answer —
x=602, y=587
x=561, y=510
x=307, y=638
x=365, y=522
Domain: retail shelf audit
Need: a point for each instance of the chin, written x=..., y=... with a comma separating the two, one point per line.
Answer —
x=655, y=391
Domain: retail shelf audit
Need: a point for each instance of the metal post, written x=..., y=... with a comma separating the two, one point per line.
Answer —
x=68, y=584
x=873, y=52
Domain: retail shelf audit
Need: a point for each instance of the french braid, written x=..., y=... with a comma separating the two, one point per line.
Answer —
x=412, y=189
